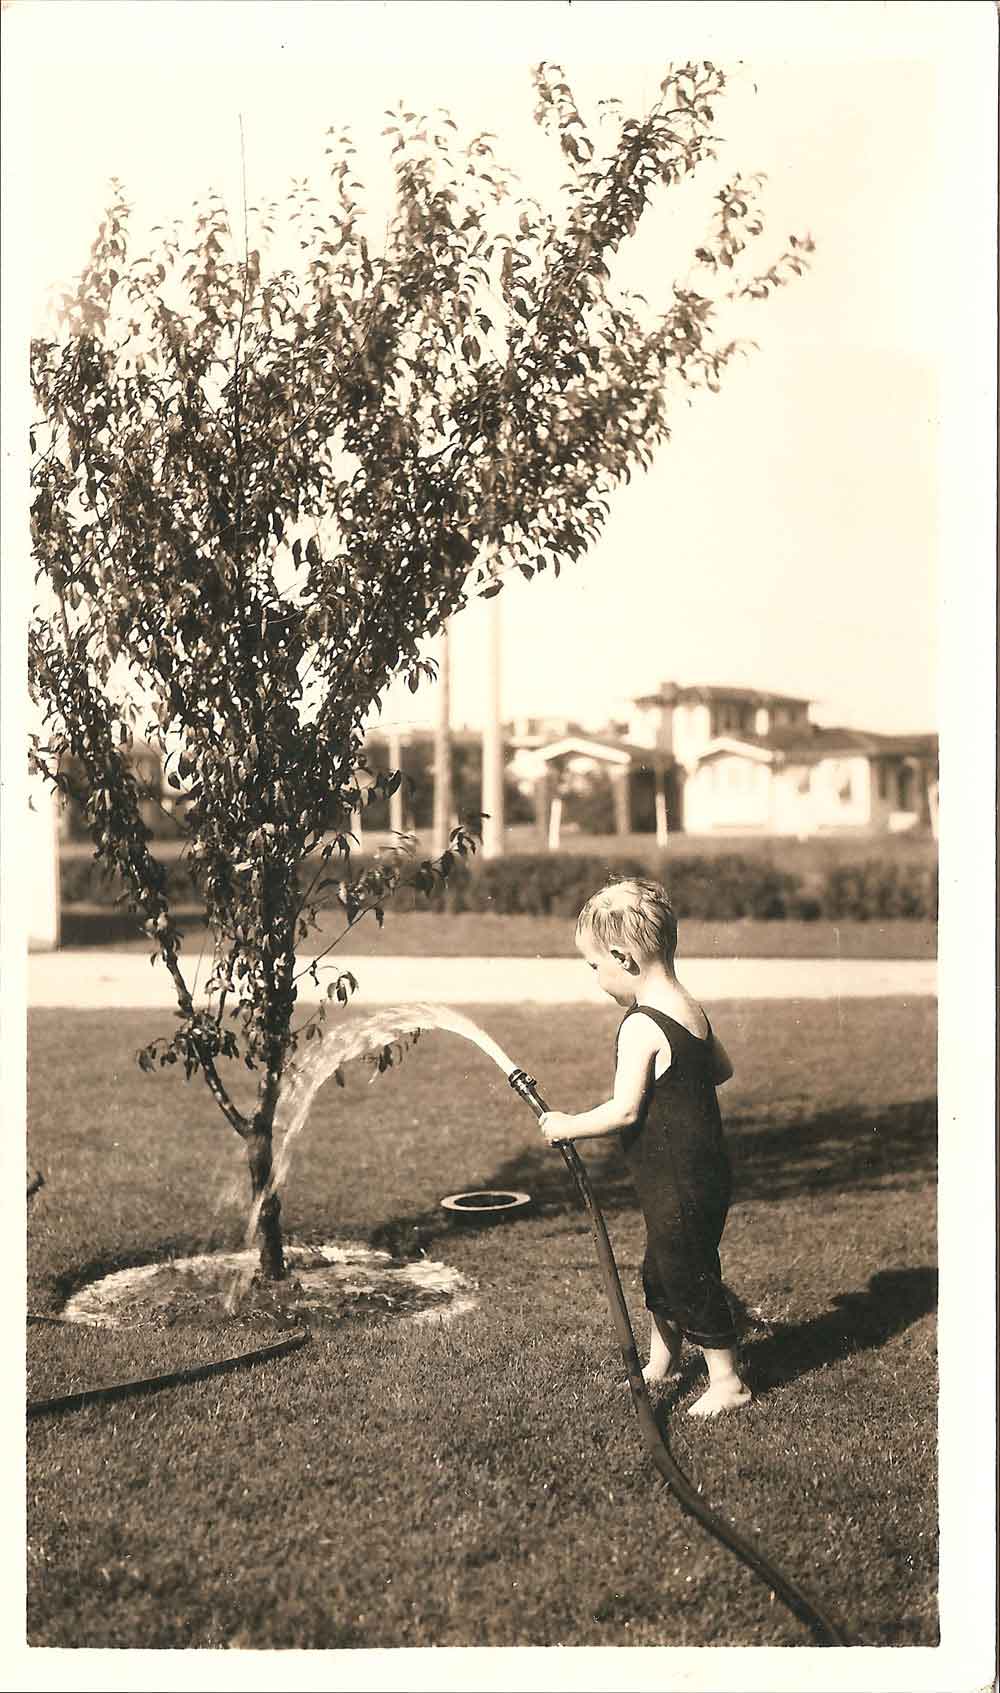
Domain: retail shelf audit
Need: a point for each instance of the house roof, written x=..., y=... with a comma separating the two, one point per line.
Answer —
x=808, y=743
x=814, y=741
x=607, y=748
x=671, y=693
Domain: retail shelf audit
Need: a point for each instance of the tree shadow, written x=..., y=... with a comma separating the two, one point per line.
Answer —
x=537, y=1170
x=879, y=1148
x=884, y=1147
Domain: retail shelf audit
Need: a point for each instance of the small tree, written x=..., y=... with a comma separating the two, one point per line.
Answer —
x=257, y=492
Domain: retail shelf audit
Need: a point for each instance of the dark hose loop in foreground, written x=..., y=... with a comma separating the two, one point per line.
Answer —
x=826, y=1632
x=173, y=1378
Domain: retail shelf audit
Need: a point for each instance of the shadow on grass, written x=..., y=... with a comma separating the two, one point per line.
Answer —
x=857, y=1322
x=839, y=1150
x=884, y=1148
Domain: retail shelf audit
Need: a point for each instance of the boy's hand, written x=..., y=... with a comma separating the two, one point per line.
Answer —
x=556, y=1126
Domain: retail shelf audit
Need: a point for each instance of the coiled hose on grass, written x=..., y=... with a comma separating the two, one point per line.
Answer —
x=825, y=1631
x=172, y=1378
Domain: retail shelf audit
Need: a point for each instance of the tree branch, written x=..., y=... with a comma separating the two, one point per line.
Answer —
x=232, y=1115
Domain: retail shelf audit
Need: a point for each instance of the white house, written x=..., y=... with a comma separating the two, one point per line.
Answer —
x=813, y=780
x=754, y=762
x=750, y=761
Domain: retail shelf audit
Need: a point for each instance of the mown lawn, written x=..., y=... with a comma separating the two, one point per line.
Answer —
x=483, y=1484
x=475, y=934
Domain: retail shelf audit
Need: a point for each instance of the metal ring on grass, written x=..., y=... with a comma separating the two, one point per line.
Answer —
x=486, y=1205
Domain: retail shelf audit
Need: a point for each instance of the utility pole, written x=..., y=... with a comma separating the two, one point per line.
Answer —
x=396, y=799
x=492, y=801
x=442, y=748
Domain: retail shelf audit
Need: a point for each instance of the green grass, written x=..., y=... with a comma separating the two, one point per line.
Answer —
x=483, y=1483
x=473, y=934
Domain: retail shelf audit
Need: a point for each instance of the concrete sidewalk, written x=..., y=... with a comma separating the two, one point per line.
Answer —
x=107, y=980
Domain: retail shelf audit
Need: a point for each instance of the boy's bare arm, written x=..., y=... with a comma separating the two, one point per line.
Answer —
x=637, y=1045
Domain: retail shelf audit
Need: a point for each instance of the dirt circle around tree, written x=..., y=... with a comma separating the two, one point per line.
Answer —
x=337, y=1281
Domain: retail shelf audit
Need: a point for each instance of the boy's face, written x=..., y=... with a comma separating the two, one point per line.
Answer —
x=616, y=975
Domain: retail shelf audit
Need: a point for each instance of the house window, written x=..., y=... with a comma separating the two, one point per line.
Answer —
x=883, y=779
x=905, y=785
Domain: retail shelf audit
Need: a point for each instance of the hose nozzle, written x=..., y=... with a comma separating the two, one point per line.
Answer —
x=526, y=1088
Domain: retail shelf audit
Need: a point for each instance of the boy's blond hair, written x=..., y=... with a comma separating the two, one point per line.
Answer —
x=633, y=915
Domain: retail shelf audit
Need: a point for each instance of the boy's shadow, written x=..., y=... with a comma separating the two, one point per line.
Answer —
x=858, y=1322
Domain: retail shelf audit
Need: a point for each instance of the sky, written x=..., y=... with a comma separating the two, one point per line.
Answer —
x=787, y=536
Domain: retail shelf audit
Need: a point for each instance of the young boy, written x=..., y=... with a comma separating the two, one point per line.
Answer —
x=668, y=1066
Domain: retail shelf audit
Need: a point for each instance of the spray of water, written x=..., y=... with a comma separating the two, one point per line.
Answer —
x=357, y=1040
x=306, y=1075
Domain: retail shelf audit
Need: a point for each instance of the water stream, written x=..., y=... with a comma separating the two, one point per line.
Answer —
x=337, y=1047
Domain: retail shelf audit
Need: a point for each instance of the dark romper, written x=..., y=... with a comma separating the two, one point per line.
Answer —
x=678, y=1162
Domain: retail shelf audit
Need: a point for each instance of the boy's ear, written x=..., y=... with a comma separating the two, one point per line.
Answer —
x=626, y=962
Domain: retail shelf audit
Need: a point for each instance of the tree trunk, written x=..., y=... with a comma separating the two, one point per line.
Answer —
x=259, y=1160
x=277, y=957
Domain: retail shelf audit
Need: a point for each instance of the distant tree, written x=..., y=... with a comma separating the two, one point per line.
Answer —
x=256, y=492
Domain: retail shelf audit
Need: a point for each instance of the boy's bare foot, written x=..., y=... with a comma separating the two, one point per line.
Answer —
x=728, y=1393
x=665, y=1344
x=655, y=1372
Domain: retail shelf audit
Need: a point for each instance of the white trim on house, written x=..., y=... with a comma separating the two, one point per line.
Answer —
x=732, y=744
x=583, y=749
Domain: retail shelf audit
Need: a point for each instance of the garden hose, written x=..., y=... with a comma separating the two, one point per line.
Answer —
x=826, y=1632
x=173, y=1378
x=148, y=1384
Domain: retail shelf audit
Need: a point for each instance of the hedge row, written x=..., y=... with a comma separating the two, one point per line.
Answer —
x=722, y=889
x=718, y=889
